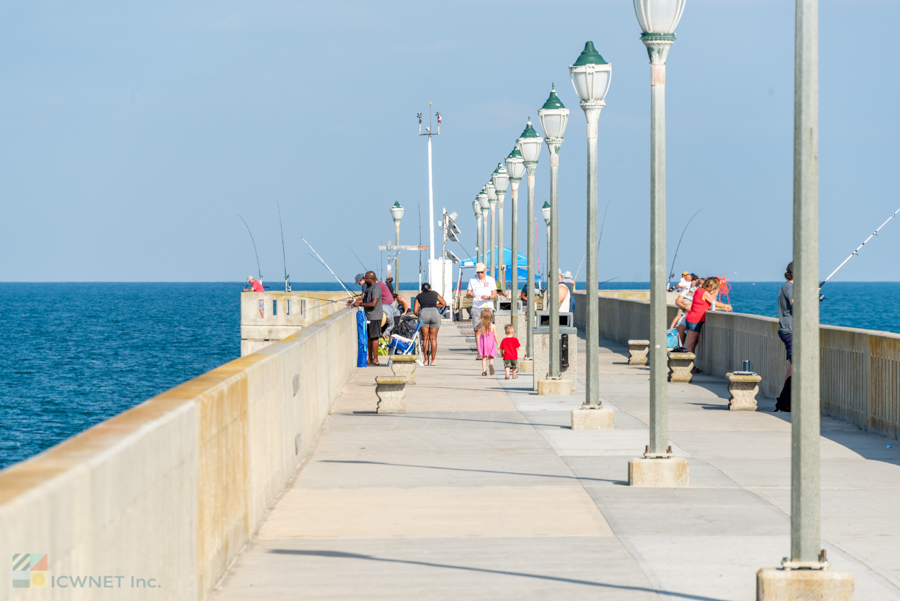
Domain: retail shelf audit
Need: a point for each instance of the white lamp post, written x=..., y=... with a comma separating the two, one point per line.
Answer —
x=492, y=200
x=515, y=166
x=529, y=144
x=590, y=77
x=658, y=19
x=397, y=215
x=485, y=209
x=554, y=117
x=545, y=211
x=476, y=206
x=500, y=179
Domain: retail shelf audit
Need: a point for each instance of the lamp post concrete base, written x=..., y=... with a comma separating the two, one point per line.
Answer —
x=554, y=387
x=592, y=418
x=526, y=366
x=779, y=584
x=659, y=473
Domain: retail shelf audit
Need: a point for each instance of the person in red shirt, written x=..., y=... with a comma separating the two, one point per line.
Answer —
x=509, y=348
x=704, y=298
x=255, y=285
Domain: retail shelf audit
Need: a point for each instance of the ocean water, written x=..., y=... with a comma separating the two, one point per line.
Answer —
x=75, y=354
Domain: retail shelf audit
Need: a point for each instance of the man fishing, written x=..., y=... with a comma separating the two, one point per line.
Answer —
x=254, y=285
x=371, y=302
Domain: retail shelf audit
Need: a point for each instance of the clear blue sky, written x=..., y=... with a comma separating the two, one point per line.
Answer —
x=133, y=133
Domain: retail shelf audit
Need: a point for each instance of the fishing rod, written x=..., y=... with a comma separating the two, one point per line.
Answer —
x=602, y=223
x=357, y=258
x=258, y=268
x=326, y=266
x=672, y=268
x=287, y=285
x=419, y=211
x=856, y=252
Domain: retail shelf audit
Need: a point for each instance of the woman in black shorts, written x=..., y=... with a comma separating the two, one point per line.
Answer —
x=428, y=305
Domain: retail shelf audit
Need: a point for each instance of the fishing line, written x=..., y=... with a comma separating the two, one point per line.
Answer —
x=602, y=223
x=672, y=268
x=326, y=266
x=856, y=252
x=287, y=285
x=357, y=258
x=258, y=268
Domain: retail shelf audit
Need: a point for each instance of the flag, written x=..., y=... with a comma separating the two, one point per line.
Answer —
x=439, y=117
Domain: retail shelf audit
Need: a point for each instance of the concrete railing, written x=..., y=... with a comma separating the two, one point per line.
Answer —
x=267, y=317
x=168, y=492
x=860, y=369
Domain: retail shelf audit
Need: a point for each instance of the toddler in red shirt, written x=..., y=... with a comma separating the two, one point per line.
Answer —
x=509, y=348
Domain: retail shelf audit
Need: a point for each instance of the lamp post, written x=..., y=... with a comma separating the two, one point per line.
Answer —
x=397, y=215
x=515, y=166
x=476, y=206
x=590, y=77
x=529, y=144
x=500, y=178
x=545, y=211
x=658, y=19
x=492, y=201
x=554, y=117
x=485, y=208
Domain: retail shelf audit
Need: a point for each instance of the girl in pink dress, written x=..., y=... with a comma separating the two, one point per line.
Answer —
x=488, y=341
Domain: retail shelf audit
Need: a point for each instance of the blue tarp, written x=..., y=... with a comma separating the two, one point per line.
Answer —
x=363, y=334
x=522, y=264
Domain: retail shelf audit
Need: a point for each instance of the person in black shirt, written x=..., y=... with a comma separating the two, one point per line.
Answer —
x=428, y=306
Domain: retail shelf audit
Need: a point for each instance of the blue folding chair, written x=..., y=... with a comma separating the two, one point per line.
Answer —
x=400, y=345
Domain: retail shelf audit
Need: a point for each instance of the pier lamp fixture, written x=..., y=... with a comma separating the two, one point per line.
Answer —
x=658, y=19
x=397, y=215
x=485, y=208
x=529, y=145
x=515, y=166
x=500, y=179
x=476, y=206
x=492, y=200
x=590, y=77
x=554, y=117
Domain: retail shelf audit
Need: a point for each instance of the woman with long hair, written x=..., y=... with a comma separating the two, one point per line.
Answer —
x=704, y=298
x=428, y=306
x=488, y=341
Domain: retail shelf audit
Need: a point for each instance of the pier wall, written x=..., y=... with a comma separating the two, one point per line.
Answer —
x=268, y=317
x=172, y=489
x=860, y=369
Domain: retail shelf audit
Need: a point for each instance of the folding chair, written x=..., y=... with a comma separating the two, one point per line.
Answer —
x=406, y=346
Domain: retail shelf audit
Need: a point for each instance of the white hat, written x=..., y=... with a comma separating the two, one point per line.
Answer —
x=479, y=267
x=249, y=278
x=567, y=275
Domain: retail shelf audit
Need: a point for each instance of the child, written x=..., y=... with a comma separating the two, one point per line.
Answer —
x=509, y=349
x=487, y=341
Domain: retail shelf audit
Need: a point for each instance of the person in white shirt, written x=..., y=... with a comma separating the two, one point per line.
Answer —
x=565, y=297
x=685, y=283
x=482, y=290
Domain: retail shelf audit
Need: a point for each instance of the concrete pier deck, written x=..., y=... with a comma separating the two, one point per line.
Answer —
x=482, y=491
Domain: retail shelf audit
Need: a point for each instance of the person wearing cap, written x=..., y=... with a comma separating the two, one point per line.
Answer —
x=786, y=333
x=390, y=286
x=482, y=290
x=255, y=285
x=685, y=283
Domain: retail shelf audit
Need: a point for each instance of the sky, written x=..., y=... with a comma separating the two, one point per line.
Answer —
x=135, y=133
